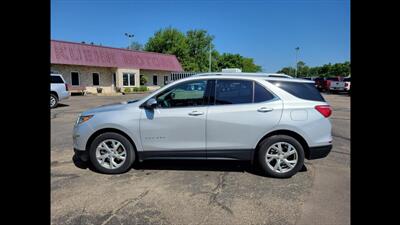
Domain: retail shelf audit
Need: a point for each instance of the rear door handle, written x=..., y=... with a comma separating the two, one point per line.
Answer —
x=265, y=109
x=196, y=113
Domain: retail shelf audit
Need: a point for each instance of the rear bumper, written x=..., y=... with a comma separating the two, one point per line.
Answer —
x=319, y=152
x=63, y=95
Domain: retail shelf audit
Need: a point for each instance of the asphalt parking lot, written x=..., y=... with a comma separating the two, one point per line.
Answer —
x=197, y=192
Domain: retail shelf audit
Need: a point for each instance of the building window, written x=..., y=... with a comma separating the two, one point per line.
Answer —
x=155, y=80
x=96, y=79
x=128, y=79
x=114, y=79
x=75, y=78
x=165, y=80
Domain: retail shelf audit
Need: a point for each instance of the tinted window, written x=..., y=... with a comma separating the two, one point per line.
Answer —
x=305, y=91
x=132, y=79
x=74, y=78
x=182, y=95
x=96, y=79
x=233, y=92
x=332, y=79
x=261, y=94
x=56, y=80
x=155, y=80
x=347, y=79
x=128, y=79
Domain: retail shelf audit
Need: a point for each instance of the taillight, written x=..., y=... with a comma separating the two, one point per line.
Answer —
x=325, y=110
x=66, y=87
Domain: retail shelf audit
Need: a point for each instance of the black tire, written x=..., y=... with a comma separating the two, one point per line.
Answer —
x=56, y=101
x=130, y=153
x=262, y=151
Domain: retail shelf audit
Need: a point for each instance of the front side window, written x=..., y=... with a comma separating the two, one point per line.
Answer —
x=75, y=78
x=233, y=92
x=128, y=79
x=186, y=94
x=96, y=79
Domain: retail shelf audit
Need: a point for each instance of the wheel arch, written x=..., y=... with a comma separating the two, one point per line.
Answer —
x=290, y=133
x=105, y=130
x=55, y=93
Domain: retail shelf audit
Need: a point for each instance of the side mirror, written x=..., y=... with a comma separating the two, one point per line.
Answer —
x=151, y=103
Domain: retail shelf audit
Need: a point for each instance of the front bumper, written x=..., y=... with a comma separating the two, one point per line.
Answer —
x=80, y=135
x=81, y=155
x=318, y=152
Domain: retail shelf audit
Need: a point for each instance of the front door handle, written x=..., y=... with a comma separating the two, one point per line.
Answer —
x=265, y=109
x=196, y=113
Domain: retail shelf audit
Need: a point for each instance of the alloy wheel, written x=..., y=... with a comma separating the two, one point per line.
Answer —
x=111, y=154
x=281, y=157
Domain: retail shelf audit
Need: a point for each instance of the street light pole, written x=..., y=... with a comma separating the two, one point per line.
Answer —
x=209, y=60
x=295, y=73
x=130, y=36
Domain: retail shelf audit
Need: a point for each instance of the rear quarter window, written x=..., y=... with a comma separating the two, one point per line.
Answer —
x=56, y=80
x=306, y=91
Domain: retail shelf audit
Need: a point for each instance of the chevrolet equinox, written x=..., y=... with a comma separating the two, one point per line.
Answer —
x=273, y=121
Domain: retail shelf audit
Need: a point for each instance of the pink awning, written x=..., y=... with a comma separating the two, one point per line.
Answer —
x=70, y=53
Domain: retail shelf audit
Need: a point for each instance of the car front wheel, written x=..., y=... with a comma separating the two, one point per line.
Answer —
x=53, y=101
x=111, y=153
x=281, y=156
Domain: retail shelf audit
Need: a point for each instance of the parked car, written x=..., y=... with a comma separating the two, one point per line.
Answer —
x=275, y=122
x=334, y=84
x=320, y=83
x=58, y=89
x=347, y=84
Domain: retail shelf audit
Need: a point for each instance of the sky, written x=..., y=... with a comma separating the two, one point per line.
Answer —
x=266, y=30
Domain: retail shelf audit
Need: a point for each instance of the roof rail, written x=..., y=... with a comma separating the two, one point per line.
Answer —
x=278, y=75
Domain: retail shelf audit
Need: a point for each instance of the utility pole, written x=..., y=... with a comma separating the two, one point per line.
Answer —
x=130, y=36
x=295, y=72
x=209, y=60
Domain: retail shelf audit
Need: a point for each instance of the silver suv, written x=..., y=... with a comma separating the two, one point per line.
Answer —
x=58, y=89
x=275, y=122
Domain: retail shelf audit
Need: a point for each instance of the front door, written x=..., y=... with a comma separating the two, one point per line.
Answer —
x=178, y=123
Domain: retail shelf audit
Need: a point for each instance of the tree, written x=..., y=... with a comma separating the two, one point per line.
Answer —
x=287, y=70
x=326, y=70
x=199, y=43
x=143, y=79
x=169, y=41
x=228, y=60
x=192, y=51
x=136, y=46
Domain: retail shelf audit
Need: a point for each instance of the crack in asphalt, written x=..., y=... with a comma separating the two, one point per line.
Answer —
x=218, y=190
x=124, y=204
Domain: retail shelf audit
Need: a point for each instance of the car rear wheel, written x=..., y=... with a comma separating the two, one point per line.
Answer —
x=281, y=156
x=53, y=101
x=112, y=153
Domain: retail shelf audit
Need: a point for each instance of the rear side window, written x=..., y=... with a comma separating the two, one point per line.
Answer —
x=233, y=92
x=261, y=94
x=56, y=80
x=306, y=91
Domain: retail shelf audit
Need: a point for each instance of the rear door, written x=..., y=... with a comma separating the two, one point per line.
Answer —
x=241, y=112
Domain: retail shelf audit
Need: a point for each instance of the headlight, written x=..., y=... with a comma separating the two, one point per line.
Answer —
x=83, y=119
